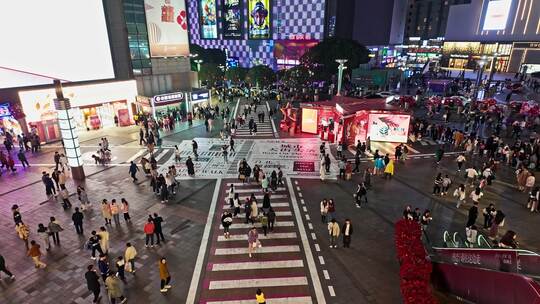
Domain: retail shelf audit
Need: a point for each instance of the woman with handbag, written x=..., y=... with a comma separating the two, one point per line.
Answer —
x=253, y=240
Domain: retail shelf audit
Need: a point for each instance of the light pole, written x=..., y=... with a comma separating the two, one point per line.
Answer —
x=481, y=63
x=198, y=62
x=341, y=67
x=493, y=67
x=70, y=138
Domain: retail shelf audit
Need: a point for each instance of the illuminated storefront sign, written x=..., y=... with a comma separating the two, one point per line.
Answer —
x=259, y=21
x=199, y=96
x=164, y=99
x=309, y=120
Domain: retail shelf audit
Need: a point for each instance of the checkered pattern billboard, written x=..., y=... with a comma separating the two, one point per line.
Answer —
x=289, y=18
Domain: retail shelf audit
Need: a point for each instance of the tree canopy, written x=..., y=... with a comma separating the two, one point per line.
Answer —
x=210, y=73
x=236, y=74
x=260, y=75
x=321, y=59
x=216, y=56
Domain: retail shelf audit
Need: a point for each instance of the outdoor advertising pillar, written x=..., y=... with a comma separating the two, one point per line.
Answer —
x=341, y=67
x=69, y=133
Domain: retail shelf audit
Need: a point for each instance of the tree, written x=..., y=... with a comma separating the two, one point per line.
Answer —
x=297, y=77
x=260, y=75
x=321, y=59
x=210, y=73
x=236, y=74
x=216, y=56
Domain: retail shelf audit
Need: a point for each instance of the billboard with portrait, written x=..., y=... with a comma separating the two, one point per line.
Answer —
x=167, y=28
x=259, y=19
x=388, y=127
x=497, y=15
x=233, y=19
x=208, y=19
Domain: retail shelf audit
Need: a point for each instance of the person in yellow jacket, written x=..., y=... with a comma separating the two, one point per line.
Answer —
x=333, y=230
x=164, y=275
x=389, y=170
x=259, y=296
x=130, y=255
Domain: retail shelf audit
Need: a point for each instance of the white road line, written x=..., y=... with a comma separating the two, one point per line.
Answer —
x=326, y=274
x=317, y=247
x=162, y=155
x=313, y=236
x=256, y=283
x=258, y=265
x=256, y=190
x=300, y=194
x=202, y=249
x=136, y=155
x=319, y=294
x=227, y=206
x=278, y=213
x=298, y=188
x=331, y=291
x=276, y=135
x=304, y=208
x=270, y=236
x=296, y=182
x=258, y=225
x=307, y=217
x=263, y=249
x=321, y=260
x=302, y=201
x=310, y=226
x=288, y=300
x=257, y=196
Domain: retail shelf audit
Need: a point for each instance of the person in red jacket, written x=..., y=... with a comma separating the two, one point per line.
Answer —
x=149, y=232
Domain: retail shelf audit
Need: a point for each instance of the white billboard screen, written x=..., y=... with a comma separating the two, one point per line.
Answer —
x=46, y=40
x=497, y=15
x=167, y=28
x=389, y=127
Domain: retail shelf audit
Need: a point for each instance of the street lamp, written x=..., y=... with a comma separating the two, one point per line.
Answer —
x=493, y=68
x=481, y=63
x=198, y=62
x=341, y=67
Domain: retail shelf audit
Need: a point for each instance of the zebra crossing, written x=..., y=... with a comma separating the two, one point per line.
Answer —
x=278, y=267
x=264, y=129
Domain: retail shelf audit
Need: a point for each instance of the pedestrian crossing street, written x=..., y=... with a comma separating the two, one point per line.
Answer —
x=277, y=267
x=264, y=129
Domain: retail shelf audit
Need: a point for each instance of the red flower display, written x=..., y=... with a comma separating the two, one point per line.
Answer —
x=415, y=269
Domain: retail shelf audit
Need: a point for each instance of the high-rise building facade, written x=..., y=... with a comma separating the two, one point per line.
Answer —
x=427, y=19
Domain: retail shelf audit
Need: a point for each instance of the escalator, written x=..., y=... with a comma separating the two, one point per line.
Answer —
x=479, y=273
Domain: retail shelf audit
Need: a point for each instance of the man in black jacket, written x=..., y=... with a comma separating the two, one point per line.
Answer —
x=4, y=269
x=158, y=231
x=347, y=231
x=92, y=281
x=77, y=218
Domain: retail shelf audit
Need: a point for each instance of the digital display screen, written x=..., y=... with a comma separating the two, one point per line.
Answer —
x=388, y=127
x=259, y=19
x=309, y=120
x=167, y=28
x=233, y=19
x=208, y=19
x=497, y=15
x=47, y=40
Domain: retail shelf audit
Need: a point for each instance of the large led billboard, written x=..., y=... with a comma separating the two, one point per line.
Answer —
x=388, y=127
x=208, y=19
x=259, y=19
x=497, y=15
x=233, y=19
x=47, y=40
x=167, y=28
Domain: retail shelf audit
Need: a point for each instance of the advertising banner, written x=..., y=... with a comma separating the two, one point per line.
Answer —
x=167, y=28
x=388, y=127
x=208, y=19
x=495, y=259
x=497, y=15
x=233, y=19
x=309, y=120
x=259, y=21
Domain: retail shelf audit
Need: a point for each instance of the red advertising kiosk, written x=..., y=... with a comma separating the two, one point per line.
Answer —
x=347, y=119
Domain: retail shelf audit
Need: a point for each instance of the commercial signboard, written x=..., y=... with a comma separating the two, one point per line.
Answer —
x=233, y=19
x=200, y=95
x=495, y=259
x=496, y=16
x=208, y=19
x=259, y=20
x=165, y=99
x=388, y=127
x=167, y=28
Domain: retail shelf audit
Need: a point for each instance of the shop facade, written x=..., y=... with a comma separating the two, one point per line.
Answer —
x=94, y=106
x=166, y=104
x=465, y=55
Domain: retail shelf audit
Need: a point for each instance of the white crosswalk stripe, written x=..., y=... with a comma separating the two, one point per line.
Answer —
x=264, y=249
x=274, y=205
x=255, y=283
x=258, y=225
x=258, y=265
x=270, y=236
x=289, y=300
